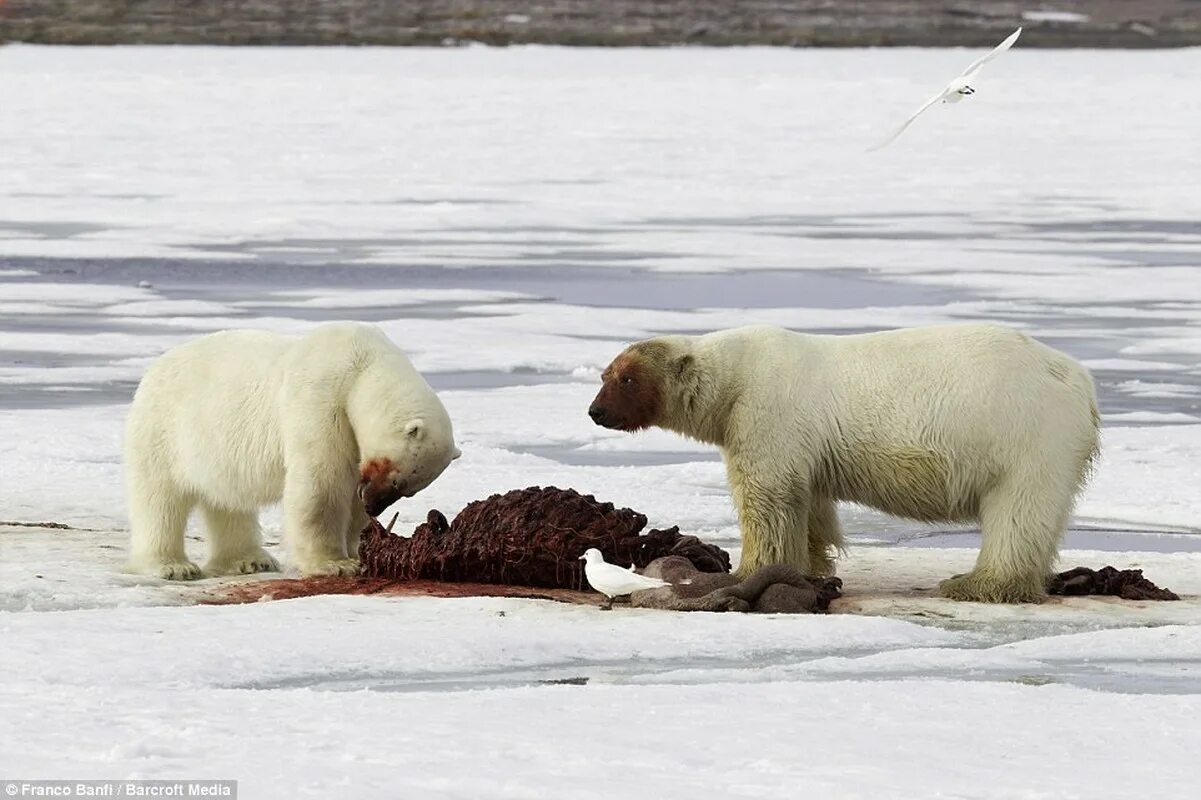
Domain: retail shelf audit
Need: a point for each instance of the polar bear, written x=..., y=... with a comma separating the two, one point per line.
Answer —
x=240, y=419
x=941, y=424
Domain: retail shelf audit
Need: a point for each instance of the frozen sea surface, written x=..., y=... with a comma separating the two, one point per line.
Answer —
x=513, y=218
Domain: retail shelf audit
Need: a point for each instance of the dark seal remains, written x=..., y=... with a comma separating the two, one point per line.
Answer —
x=774, y=589
x=527, y=537
x=1128, y=584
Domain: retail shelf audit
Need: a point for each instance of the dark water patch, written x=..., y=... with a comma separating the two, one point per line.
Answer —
x=1115, y=238
x=299, y=246
x=104, y=195
x=52, y=230
x=1089, y=201
x=889, y=235
x=510, y=230
x=129, y=195
x=890, y=215
x=1117, y=317
x=577, y=671
x=1077, y=538
x=41, y=194
x=228, y=282
x=44, y=358
x=1162, y=227
x=430, y=201
x=1182, y=257
x=29, y=396
x=17, y=396
x=849, y=330
x=1116, y=394
x=381, y=313
x=815, y=221
x=564, y=182
x=596, y=255
x=88, y=324
x=1119, y=674
x=1115, y=676
x=675, y=291
x=577, y=457
x=1076, y=234
x=620, y=287
x=467, y=380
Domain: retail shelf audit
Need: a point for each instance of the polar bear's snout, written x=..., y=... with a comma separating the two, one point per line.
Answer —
x=598, y=414
x=630, y=397
x=376, y=500
x=380, y=485
x=611, y=417
x=606, y=416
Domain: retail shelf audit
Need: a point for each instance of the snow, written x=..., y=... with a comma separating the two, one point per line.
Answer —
x=1155, y=479
x=1129, y=364
x=512, y=217
x=1054, y=16
x=1153, y=416
x=382, y=696
x=385, y=695
x=659, y=741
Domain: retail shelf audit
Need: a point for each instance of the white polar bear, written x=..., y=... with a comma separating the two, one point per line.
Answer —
x=945, y=423
x=241, y=419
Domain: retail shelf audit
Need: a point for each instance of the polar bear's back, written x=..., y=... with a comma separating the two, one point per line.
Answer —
x=985, y=367
x=920, y=421
x=977, y=378
x=204, y=416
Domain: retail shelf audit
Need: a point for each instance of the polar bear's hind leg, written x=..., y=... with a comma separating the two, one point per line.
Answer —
x=1022, y=520
x=158, y=516
x=236, y=543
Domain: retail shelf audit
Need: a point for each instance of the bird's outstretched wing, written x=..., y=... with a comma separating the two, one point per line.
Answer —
x=908, y=122
x=996, y=51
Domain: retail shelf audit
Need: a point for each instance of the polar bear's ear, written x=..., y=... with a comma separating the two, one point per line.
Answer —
x=456, y=454
x=415, y=429
x=683, y=364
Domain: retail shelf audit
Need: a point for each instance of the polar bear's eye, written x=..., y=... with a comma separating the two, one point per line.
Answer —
x=626, y=380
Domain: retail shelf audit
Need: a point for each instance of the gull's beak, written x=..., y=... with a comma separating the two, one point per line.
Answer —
x=581, y=558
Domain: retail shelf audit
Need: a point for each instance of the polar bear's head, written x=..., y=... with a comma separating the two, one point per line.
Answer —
x=404, y=463
x=642, y=386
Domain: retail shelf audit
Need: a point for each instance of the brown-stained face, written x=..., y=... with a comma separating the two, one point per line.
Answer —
x=380, y=485
x=632, y=395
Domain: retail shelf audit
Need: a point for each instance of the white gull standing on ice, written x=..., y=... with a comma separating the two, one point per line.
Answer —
x=612, y=580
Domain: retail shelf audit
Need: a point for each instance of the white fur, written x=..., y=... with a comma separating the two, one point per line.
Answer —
x=238, y=420
x=946, y=423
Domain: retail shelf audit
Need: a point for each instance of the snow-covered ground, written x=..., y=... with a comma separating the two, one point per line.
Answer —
x=512, y=218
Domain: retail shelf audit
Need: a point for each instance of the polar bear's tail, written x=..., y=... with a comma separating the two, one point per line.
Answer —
x=1092, y=449
x=1095, y=452
x=1078, y=420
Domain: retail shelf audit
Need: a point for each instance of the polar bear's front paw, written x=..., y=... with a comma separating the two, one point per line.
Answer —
x=248, y=564
x=334, y=566
x=177, y=571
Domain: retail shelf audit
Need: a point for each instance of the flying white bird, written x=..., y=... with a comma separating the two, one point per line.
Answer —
x=612, y=580
x=957, y=89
